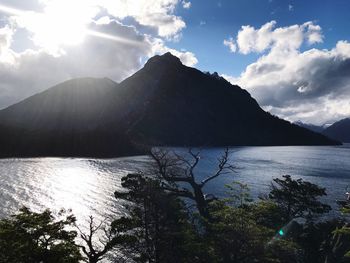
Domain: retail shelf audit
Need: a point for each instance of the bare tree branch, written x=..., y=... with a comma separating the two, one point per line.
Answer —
x=174, y=168
x=223, y=167
x=93, y=252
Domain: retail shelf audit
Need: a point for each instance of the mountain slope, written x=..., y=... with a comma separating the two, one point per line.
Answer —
x=339, y=131
x=75, y=104
x=178, y=105
x=64, y=120
x=165, y=103
x=312, y=127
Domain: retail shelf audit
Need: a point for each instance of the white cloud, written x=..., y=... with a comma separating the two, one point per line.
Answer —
x=230, y=43
x=313, y=34
x=6, y=34
x=156, y=13
x=343, y=49
x=186, y=5
x=290, y=7
x=313, y=85
x=268, y=37
x=233, y=80
x=319, y=112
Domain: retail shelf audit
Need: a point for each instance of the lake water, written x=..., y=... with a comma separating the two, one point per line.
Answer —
x=87, y=185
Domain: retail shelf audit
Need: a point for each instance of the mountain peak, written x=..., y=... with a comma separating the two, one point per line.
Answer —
x=166, y=59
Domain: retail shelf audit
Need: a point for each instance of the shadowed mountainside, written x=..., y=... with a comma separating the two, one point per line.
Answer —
x=339, y=131
x=312, y=127
x=165, y=103
x=65, y=120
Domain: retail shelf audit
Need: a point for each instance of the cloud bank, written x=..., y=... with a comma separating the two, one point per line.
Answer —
x=291, y=78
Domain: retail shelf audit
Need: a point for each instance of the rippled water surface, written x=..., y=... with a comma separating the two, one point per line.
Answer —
x=86, y=185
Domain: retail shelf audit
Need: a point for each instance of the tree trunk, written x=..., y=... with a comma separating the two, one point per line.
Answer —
x=201, y=203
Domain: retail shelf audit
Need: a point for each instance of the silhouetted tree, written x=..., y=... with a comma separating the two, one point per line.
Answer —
x=101, y=241
x=175, y=170
x=237, y=233
x=158, y=222
x=30, y=237
x=297, y=198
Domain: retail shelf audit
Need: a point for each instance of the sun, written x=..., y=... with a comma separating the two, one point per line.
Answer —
x=62, y=22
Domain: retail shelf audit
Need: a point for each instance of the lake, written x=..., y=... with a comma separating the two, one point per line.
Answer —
x=87, y=185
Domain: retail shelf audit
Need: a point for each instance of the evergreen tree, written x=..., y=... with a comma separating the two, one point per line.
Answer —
x=297, y=198
x=158, y=221
x=30, y=237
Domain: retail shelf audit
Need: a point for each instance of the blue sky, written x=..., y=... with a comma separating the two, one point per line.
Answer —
x=292, y=56
x=225, y=18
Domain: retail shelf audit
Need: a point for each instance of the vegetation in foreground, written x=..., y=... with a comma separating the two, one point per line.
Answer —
x=171, y=219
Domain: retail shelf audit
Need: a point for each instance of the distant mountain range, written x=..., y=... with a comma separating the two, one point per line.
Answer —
x=312, y=127
x=165, y=103
x=339, y=130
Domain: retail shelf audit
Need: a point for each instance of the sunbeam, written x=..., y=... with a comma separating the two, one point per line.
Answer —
x=50, y=31
x=11, y=11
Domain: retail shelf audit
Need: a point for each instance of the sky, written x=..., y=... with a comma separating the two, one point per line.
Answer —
x=293, y=56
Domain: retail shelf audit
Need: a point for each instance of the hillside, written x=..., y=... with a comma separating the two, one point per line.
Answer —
x=339, y=131
x=64, y=120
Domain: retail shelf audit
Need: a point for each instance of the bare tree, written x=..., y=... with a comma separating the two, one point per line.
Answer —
x=100, y=240
x=175, y=170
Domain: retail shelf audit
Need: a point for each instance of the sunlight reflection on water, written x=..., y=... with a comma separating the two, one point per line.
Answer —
x=87, y=185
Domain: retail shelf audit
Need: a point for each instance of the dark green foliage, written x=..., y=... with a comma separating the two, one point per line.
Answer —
x=158, y=222
x=164, y=232
x=317, y=240
x=267, y=213
x=282, y=251
x=29, y=237
x=339, y=245
x=336, y=247
x=238, y=194
x=242, y=231
x=235, y=236
x=297, y=198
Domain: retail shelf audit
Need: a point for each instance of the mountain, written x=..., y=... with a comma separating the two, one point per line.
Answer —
x=312, y=127
x=72, y=105
x=339, y=131
x=64, y=120
x=164, y=103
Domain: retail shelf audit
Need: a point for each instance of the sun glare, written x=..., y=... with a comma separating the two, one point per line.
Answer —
x=62, y=23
